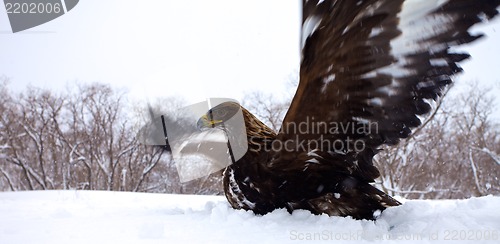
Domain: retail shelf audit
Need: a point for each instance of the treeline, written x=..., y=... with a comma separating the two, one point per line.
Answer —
x=454, y=155
x=84, y=138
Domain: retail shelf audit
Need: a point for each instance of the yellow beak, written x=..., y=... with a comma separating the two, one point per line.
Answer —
x=206, y=122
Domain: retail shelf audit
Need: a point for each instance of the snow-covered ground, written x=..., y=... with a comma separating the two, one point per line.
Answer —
x=119, y=217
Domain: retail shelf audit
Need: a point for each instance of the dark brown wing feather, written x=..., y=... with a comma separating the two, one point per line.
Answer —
x=373, y=63
x=367, y=68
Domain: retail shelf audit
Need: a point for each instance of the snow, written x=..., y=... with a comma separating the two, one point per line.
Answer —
x=122, y=217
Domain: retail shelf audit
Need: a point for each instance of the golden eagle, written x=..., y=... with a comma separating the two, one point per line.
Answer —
x=368, y=70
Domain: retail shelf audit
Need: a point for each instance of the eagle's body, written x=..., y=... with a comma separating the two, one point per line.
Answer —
x=367, y=65
x=312, y=180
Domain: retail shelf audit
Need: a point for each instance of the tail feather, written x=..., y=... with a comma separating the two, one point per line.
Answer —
x=362, y=201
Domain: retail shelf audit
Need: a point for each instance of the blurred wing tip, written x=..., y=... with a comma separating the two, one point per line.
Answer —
x=308, y=27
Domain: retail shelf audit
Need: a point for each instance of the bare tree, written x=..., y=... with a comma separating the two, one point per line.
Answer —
x=87, y=139
x=5, y=136
x=445, y=158
x=269, y=109
x=76, y=141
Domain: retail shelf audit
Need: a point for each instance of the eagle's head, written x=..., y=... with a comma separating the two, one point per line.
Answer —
x=239, y=124
x=218, y=115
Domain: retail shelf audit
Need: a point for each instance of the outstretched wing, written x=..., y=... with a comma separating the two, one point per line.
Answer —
x=367, y=68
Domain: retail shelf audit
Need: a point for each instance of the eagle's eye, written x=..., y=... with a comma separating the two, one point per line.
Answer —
x=219, y=114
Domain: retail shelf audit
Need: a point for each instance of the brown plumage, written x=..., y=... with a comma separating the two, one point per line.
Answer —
x=312, y=180
x=368, y=66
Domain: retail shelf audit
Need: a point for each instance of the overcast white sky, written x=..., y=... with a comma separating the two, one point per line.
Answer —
x=195, y=49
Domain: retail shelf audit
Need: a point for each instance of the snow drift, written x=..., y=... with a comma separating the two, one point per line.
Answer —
x=122, y=217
